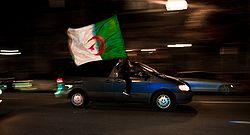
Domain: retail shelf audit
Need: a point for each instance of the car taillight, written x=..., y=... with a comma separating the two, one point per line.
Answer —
x=59, y=80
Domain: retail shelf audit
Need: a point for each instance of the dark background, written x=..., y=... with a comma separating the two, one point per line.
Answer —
x=38, y=29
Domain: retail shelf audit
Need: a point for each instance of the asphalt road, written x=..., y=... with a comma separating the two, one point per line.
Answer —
x=42, y=114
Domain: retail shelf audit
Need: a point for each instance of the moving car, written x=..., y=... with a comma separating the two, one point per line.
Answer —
x=202, y=81
x=149, y=86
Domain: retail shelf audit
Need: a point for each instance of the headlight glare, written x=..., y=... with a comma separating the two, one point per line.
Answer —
x=184, y=87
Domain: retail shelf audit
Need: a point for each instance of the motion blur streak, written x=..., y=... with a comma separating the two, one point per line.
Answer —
x=157, y=2
x=9, y=52
x=172, y=5
x=148, y=50
x=239, y=122
x=180, y=45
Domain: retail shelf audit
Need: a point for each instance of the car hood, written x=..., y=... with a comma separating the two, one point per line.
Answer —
x=163, y=76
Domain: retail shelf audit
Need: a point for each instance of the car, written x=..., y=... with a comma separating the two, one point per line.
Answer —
x=162, y=92
x=203, y=81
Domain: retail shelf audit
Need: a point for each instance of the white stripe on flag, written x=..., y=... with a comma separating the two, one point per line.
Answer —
x=80, y=44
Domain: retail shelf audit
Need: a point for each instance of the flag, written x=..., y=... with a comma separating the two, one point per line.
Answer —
x=99, y=41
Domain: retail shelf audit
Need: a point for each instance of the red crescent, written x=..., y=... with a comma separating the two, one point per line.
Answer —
x=102, y=44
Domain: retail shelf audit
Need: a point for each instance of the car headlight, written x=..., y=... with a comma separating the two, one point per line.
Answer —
x=184, y=87
x=1, y=92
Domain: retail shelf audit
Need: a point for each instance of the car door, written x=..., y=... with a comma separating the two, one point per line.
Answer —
x=139, y=88
x=99, y=88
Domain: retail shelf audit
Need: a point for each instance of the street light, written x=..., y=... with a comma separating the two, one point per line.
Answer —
x=173, y=5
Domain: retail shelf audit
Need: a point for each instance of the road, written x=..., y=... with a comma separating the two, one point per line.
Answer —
x=42, y=114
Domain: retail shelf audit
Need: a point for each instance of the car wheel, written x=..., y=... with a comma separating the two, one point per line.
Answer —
x=78, y=99
x=163, y=101
x=224, y=89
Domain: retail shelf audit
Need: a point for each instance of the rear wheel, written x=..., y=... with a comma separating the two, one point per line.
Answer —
x=163, y=101
x=78, y=99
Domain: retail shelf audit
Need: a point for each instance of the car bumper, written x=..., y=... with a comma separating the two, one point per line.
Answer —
x=183, y=98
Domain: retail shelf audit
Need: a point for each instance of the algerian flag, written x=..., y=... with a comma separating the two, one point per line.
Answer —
x=100, y=41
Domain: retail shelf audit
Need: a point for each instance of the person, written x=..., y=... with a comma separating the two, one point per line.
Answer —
x=123, y=66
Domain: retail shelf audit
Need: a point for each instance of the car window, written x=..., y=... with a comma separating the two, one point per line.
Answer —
x=137, y=71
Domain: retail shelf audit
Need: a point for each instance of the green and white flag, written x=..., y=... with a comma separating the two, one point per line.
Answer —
x=99, y=41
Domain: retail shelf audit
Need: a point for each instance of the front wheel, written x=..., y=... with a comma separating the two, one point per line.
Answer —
x=163, y=101
x=78, y=99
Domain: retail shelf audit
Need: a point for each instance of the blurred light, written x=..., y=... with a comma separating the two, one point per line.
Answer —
x=228, y=50
x=180, y=45
x=1, y=92
x=60, y=87
x=172, y=5
x=69, y=86
x=163, y=2
x=132, y=54
x=129, y=50
x=58, y=93
x=59, y=80
x=23, y=83
x=9, y=52
x=148, y=50
x=184, y=88
x=239, y=122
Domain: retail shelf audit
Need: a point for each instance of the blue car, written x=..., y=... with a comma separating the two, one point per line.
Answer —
x=148, y=86
x=202, y=81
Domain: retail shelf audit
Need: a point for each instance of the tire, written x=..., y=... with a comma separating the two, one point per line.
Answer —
x=163, y=101
x=224, y=89
x=78, y=99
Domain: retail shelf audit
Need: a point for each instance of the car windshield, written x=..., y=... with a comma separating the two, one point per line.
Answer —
x=149, y=69
x=155, y=72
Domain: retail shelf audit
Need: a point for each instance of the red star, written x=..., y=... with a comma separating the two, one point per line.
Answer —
x=92, y=48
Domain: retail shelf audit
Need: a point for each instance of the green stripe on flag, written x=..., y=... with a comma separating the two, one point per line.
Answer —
x=109, y=30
